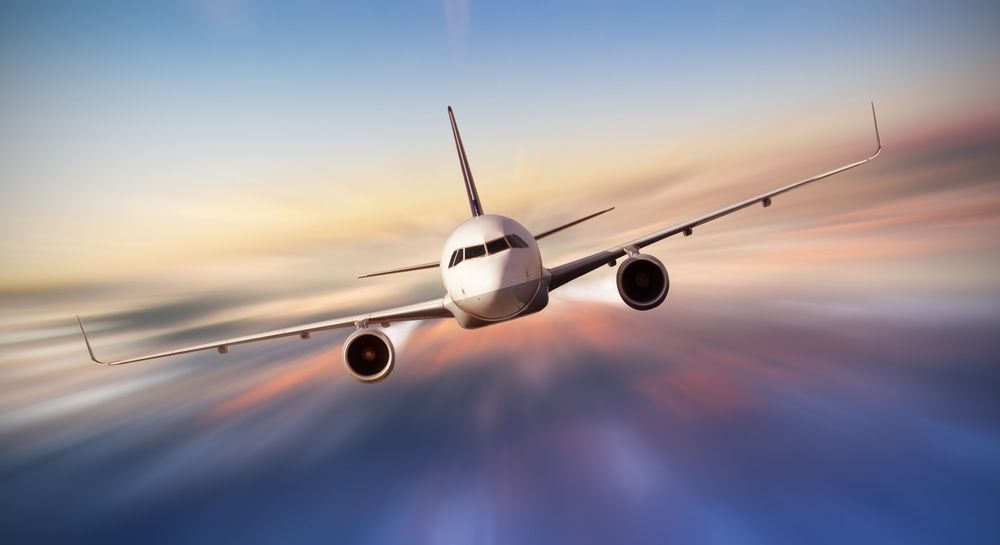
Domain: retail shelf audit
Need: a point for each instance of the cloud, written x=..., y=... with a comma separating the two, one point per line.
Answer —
x=654, y=421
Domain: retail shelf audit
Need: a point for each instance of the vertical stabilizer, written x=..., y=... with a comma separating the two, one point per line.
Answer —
x=470, y=184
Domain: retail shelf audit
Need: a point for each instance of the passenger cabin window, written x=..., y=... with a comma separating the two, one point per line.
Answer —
x=497, y=245
x=475, y=251
x=516, y=242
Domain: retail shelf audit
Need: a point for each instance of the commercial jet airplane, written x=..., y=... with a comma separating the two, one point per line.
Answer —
x=492, y=272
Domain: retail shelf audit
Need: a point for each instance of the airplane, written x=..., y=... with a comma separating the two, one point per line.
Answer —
x=492, y=272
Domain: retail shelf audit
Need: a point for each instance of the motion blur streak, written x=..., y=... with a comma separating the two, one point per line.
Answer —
x=653, y=425
x=824, y=370
x=836, y=383
x=826, y=377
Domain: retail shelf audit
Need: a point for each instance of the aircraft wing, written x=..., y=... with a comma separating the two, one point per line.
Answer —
x=575, y=269
x=420, y=311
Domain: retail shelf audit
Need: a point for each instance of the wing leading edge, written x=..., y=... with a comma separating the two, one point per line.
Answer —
x=419, y=311
x=575, y=269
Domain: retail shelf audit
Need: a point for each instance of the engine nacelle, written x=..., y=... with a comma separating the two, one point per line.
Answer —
x=369, y=355
x=643, y=282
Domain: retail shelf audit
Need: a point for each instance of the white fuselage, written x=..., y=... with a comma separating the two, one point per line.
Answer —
x=492, y=271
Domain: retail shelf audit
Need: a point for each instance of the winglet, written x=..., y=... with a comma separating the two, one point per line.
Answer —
x=878, y=139
x=87, y=341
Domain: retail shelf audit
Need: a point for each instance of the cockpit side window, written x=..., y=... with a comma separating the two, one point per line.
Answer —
x=496, y=246
x=475, y=251
x=459, y=256
x=516, y=241
x=454, y=256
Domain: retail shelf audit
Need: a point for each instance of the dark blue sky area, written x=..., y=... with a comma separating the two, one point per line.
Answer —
x=821, y=429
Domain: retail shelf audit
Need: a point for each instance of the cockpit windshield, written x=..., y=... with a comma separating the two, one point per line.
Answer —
x=516, y=242
x=495, y=246
x=472, y=252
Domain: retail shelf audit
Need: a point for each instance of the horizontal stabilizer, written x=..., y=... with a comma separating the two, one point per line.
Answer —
x=422, y=266
x=555, y=230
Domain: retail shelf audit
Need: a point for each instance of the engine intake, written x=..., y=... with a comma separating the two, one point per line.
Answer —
x=369, y=355
x=643, y=282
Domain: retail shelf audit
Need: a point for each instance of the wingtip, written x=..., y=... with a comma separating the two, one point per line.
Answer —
x=86, y=341
x=878, y=138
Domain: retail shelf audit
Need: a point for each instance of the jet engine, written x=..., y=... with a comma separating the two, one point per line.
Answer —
x=643, y=282
x=369, y=355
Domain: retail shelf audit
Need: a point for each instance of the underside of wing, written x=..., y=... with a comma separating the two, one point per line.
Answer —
x=420, y=311
x=575, y=269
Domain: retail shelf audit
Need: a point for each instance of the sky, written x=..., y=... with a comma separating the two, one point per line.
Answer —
x=822, y=371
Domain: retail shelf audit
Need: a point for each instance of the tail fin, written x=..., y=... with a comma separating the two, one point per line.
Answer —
x=470, y=185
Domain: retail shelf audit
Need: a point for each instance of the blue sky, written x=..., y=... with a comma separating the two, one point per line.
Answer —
x=141, y=112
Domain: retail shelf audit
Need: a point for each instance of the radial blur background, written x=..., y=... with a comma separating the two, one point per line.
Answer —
x=826, y=370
